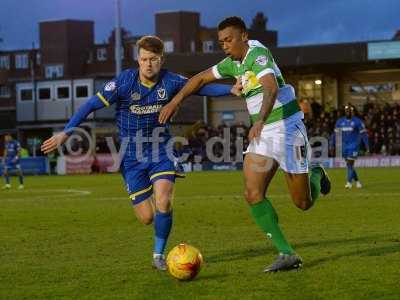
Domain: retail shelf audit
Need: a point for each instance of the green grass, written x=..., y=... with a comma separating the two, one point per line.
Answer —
x=58, y=243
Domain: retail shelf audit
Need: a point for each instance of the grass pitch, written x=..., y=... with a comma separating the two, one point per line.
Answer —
x=76, y=237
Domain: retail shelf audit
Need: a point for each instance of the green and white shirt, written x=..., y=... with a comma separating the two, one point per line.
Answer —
x=257, y=63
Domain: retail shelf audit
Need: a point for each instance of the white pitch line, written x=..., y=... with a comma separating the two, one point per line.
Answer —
x=65, y=193
x=72, y=191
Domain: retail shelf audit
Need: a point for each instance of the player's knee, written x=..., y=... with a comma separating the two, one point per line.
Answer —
x=146, y=219
x=163, y=203
x=304, y=203
x=253, y=195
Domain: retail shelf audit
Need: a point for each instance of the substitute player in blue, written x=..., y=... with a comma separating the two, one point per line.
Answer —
x=351, y=131
x=146, y=164
x=11, y=161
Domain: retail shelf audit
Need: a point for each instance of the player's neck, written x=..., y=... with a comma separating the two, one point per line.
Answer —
x=244, y=52
x=148, y=82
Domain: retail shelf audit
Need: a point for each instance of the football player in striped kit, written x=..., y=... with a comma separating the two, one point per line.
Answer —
x=277, y=137
x=139, y=95
x=11, y=161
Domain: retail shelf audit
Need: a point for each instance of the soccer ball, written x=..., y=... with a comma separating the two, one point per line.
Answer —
x=184, y=262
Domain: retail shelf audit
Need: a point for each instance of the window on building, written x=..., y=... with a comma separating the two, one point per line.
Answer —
x=26, y=95
x=102, y=54
x=373, y=88
x=228, y=116
x=208, y=46
x=44, y=93
x=54, y=71
x=5, y=62
x=81, y=91
x=38, y=58
x=63, y=92
x=5, y=91
x=21, y=61
x=90, y=58
x=192, y=46
x=308, y=89
x=135, y=52
x=168, y=46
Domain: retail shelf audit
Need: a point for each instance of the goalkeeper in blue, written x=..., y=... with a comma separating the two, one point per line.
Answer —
x=350, y=131
x=149, y=171
x=11, y=158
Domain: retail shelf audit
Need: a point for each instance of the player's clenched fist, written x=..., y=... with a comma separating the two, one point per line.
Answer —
x=237, y=88
x=255, y=131
x=52, y=143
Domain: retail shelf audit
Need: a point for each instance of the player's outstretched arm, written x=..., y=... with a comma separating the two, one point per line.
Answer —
x=215, y=90
x=193, y=85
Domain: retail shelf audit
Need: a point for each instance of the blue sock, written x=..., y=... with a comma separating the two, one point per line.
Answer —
x=7, y=178
x=162, y=228
x=21, y=180
x=349, y=173
x=355, y=176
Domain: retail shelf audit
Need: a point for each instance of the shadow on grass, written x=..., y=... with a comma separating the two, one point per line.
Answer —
x=261, y=250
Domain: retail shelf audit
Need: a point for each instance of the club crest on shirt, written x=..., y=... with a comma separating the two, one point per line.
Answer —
x=110, y=86
x=161, y=94
x=261, y=60
x=135, y=96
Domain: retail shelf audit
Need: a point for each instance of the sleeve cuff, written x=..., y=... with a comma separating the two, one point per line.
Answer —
x=265, y=72
x=215, y=72
x=102, y=99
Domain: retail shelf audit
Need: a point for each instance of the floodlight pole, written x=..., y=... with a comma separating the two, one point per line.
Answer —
x=117, y=37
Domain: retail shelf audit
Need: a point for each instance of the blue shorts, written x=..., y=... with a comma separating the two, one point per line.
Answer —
x=350, y=153
x=140, y=176
x=12, y=165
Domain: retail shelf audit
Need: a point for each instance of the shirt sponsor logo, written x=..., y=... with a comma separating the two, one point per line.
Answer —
x=249, y=81
x=261, y=60
x=146, y=109
x=110, y=86
x=347, y=128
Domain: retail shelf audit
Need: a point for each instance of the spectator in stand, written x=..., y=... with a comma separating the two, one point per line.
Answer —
x=305, y=108
x=382, y=124
x=316, y=108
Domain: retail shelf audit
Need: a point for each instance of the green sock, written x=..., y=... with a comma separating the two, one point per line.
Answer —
x=266, y=218
x=315, y=184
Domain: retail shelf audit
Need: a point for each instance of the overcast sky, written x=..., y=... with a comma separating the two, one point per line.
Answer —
x=306, y=22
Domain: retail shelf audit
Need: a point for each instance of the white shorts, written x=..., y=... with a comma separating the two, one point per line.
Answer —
x=287, y=144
